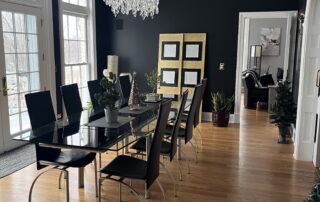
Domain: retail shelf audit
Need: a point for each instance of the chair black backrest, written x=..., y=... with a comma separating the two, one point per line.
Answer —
x=177, y=124
x=41, y=113
x=94, y=87
x=192, y=112
x=125, y=85
x=249, y=81
x=198, y=111
x=154, y=155
x=71, y=99
x=40, y=109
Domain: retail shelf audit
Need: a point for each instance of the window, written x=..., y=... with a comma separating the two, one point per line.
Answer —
x=76, y=45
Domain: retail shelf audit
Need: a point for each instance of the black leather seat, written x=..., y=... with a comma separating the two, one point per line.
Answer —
x=71, y=99
x=40, y=102
x=253, y=91
x=94, y=87
x=140, y=145
x=129, y=167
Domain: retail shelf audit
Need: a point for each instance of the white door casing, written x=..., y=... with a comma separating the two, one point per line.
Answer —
x=308, y=92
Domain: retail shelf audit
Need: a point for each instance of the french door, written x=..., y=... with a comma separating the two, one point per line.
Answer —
x=20, y=62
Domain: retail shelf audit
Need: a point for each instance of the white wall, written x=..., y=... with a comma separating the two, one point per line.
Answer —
x=254, y=39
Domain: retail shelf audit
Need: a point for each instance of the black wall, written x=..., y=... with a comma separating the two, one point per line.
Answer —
x=137, y=43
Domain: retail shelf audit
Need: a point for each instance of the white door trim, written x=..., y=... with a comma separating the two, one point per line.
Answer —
x=244, y=17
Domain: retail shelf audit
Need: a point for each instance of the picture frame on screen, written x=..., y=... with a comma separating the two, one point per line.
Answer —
x=170, y=50
x=190, y=77
x=169, y=77
x=192, y=51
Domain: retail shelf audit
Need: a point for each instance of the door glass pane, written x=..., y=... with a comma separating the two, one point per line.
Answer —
x=22, y=65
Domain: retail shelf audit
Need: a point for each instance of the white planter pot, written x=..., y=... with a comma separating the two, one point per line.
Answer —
x=152, y=97
x=111, y=115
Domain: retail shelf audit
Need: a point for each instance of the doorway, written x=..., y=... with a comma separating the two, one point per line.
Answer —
x=21, y=55
x=245, y=21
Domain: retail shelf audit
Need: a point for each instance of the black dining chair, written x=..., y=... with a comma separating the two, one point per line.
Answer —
x=127, y=167
x=41, y=114
x=94, y=87
x=168, y=148
x=186, y=132
x=198, y=111
x=71, y=99
x=125, y=86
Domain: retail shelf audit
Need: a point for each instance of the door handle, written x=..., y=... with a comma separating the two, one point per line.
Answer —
x=4, y=86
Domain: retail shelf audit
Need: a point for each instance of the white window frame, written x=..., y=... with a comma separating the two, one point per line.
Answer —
x=89, y=12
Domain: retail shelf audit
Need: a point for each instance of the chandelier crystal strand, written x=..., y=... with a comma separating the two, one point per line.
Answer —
x=144, y=8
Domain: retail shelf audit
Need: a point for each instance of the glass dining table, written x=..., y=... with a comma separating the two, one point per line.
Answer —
x=88, y=131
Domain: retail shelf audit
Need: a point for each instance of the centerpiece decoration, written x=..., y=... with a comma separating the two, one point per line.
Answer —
x=134, y=99
x=152, y=81
x=109, y=98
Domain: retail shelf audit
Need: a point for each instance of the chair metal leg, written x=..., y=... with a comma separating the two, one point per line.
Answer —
x=172, y=178
x=186, y=160
x=199, y=134
x=194, y=151
x=52, y=169
x=60, y=176
x=179, y=166
x=122, y=183
x=81, y=177
x=95, y=176
x=120, y=192
x=162, y=190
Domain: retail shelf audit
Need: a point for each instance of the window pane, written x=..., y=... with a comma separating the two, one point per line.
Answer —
x=83, y=3
x=65, y=27
x=77, y=2
x=23, y=105
x=66, y=52
x=76, y=76
x=34, y=81
x=31, y=24
x=32, y=43
x=10, y=60
x=14, y=124
x=33, y=62
x=74, y=52
x=67, y=75
x=23, y=82
x=7, y=23
x=84, y=75
x=74, y=2
x=22, y=63
x=12, y=84
x=19, y=22
x=13, y=104
x=85, y=96
x=21, y=43
x=25, y=121
x=8, y=40
x=81, y=28
x=83, y=52
x=72, y=25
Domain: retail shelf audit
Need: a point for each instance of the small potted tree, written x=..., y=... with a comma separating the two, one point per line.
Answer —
x=152, y=81
x=283, y=112
x=109, y=98
x=221, y=108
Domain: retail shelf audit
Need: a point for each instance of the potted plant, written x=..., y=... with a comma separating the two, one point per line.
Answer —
x=283, y=112
x=109, y=98
x=221, y=108
x=152, y=81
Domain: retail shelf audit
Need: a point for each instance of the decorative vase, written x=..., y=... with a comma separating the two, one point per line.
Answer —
x=111, y=115
x=220, y=119
x=152, y=97
x=283, y=132
x=134, y=99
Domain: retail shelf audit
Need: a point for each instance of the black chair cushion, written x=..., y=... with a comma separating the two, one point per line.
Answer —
x=140, y=145
x=70, y=158
x=127, y=167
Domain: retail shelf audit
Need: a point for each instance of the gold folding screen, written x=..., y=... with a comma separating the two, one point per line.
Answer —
x=181, y=62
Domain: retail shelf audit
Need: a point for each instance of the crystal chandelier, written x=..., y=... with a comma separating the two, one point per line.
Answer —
x=144, y=8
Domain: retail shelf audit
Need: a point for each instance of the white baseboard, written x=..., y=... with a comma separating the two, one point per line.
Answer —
x=207, y=116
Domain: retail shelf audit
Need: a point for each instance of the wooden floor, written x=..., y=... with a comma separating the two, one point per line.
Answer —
x=239, y=163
